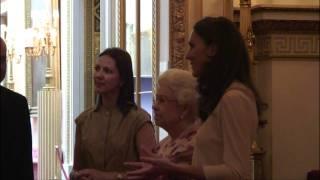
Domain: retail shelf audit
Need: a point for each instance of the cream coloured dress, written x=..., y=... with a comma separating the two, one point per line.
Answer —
x=223, y=142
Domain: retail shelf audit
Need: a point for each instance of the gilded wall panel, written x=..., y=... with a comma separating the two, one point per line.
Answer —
x=92, y=46
x=178, y=33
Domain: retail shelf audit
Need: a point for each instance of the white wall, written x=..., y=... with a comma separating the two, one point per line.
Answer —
x=295, y=118
x=291, y=137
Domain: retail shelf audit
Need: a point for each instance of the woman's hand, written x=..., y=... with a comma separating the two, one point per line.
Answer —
x=162, y=164
x=143, y=170
x=74, y=175
x=149, y=168
x=93, y=174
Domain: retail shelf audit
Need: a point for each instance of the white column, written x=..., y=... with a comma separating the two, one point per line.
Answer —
x=49, y=103
x=72, y=70
x=108, y=24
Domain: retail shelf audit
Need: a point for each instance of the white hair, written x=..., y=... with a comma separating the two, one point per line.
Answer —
x=183, y=85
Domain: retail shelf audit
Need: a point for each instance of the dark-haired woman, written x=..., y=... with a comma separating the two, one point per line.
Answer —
x=115, y=130
x=228, y=105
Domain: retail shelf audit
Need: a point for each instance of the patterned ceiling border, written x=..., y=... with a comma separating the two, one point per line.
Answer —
x=291, y=46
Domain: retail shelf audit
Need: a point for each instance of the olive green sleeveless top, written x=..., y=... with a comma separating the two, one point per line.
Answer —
x=106, y=139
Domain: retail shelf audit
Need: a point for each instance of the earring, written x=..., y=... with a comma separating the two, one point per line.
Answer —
x=181, y=117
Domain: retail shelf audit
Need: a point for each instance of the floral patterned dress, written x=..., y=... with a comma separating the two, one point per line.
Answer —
x=179, y=150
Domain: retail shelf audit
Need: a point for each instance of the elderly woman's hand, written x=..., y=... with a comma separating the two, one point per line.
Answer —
x=162, y=164
x=149, y=168
x=142, y=170
x=93, y=174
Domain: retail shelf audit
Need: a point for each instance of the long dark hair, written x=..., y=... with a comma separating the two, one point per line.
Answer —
x=230, y=63
x=124, y=64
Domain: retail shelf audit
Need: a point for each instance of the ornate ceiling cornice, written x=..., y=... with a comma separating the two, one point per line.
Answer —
x=287, y=26
x=280, y=18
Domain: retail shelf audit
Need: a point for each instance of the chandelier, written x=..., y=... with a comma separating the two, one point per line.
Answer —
x=41, y=41
x=12, y=55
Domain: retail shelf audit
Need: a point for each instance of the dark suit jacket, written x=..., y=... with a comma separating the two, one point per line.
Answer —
x=16, y=141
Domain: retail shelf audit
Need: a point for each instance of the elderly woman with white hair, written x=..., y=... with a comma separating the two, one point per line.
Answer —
x=175, y=110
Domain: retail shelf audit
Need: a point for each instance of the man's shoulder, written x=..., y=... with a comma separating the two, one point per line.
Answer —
x=9, y=94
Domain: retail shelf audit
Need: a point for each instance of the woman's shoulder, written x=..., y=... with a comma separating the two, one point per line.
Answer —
x=84, y=115
x=236, y=95
x=237, y=90
x=140, y=113
x=137, y=118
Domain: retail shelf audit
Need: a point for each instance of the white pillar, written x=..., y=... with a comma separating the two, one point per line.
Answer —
x=72, y=70
x=49, y=103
